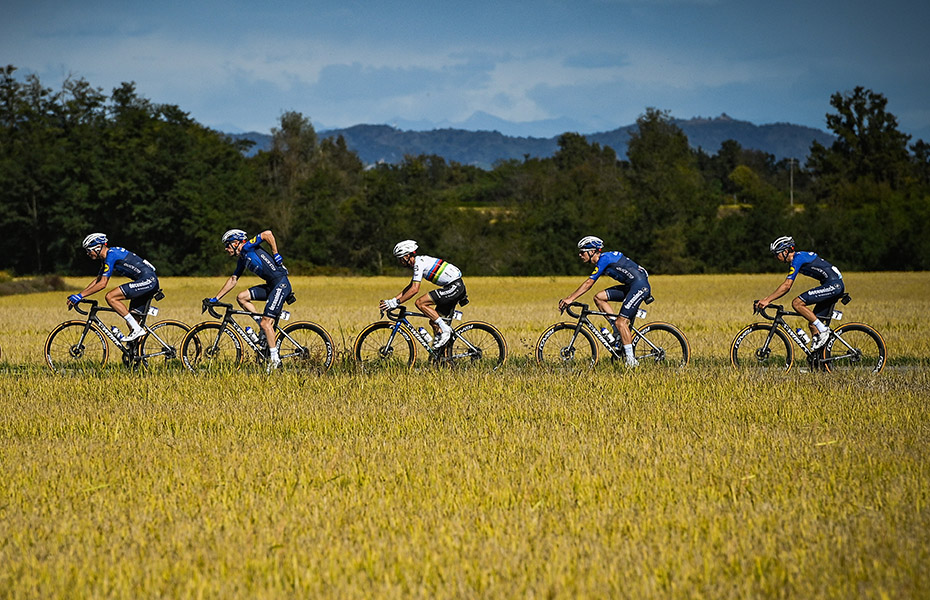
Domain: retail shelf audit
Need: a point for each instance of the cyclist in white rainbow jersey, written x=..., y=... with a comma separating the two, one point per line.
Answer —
x=438, y=303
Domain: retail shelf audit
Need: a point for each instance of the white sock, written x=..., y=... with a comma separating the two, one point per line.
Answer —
x=274, y=353
x=820, y=326
x=443, y=326
x=131, y=321
x=628, y=348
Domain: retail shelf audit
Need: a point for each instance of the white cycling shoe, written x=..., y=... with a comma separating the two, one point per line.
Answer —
x=631, y=362
x=442, y=339
x=273, y=364
x=820, y=339
x=133, y=335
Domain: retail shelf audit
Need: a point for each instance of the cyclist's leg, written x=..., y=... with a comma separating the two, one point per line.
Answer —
x=823, y=298
x=639, y=290
x=441, y=302
x=141, y=289
x=274, y=304
x=259, y=293
x=602, y=300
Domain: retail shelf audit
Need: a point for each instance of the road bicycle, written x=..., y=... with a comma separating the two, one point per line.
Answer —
x=81, y=345
x=768, y=346
x=656, y=345
x=218, y=346
x=395, y=342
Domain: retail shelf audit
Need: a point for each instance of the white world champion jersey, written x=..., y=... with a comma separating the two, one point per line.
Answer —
x=435, y=270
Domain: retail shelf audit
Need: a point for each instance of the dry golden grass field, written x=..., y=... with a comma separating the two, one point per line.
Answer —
x=704, y=482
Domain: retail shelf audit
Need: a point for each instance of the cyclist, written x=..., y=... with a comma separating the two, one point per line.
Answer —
x=437, y=302
x=633, y=288
x=119, y=261
x=270, y=267
x=823, y=297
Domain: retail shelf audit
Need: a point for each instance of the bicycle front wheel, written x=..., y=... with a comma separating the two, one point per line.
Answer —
x=380, y=346
x=561, y=346
x=161, y=347
x=477, y=345
x=210, y=347
x=305, y=346
x=76, y=347
x=855, y=347
x=763, y=347
x=661, y=346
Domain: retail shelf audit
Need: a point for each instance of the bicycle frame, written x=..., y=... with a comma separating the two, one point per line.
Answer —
x=228, y=321
x=584, y=321
x=128, y=350
x=814, y=357
x=399, y=316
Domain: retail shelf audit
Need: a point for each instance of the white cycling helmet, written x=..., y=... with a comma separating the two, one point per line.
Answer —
x=783, y=243
x=234, y=235
x=590, y=242
x=404, y=248
x=94, y=240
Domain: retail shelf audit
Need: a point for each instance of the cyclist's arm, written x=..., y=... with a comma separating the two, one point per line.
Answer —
x=409, y=292
x=95, y=286
x=584, y=287
x=778, y=293
x=267, y=236
x=230, y=284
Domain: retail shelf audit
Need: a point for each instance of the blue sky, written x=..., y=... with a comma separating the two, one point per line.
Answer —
x=544, y=66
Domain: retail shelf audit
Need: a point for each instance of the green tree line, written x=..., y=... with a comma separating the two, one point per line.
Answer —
x=76, y=160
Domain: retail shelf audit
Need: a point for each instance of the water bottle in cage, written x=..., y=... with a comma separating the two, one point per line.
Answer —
x=803, y=335
x=252, y=335
x=608, y=334
x=425, y=334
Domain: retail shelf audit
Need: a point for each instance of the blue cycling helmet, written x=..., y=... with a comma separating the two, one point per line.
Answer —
x=590, y=242
x=785, y=242
x=94, y=240
x=234, y=235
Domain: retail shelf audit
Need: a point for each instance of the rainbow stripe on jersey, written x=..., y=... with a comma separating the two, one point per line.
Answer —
x=436, y=270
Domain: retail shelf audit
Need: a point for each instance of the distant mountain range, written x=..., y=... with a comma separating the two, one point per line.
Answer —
x=384, y=143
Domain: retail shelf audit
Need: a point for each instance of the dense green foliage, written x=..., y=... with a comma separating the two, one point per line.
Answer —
x=75, y=160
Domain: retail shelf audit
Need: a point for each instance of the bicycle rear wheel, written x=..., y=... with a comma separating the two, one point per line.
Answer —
x=661, y=346
x=305, y=346
x=561, y=347
x=161, y=347
x=379, y=346
x=762, y=346
x=477, y=345
x=76, y=347
x=855, y=347
x=210, y=347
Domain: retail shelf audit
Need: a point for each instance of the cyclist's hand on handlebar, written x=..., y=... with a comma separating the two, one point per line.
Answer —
x=563, y=304
x=212, y=300
x=74, y=299
x=758, y=306
x=388, y=304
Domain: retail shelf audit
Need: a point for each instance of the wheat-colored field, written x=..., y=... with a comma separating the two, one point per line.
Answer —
x=706, y=482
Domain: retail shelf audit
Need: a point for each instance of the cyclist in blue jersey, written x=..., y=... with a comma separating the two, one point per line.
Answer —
x=823, y=297
x=119, y=261
x=633, y=288
x=438, y=302
x=270, y=267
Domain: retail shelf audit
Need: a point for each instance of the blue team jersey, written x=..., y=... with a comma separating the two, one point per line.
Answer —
x=120, y=261
x=808, y=263
x=615, y=264
x=256, y=259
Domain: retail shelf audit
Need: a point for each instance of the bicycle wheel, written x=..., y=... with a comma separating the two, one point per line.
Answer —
x=560, y=347
x=210, y=347
x=762, y=346
x=305, y=346
x=855, y=347
x=661, y=346
x=161, y=347
x=477, y=345
x=378, y=346
x=76, y=347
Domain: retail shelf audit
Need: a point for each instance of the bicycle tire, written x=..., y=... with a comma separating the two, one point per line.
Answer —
x=375, y=349
x=210, y=347
x=865, y=351
x=160, y=349
x=477, y=345
x=314, y=350
x=751, y=349
x=671, y=351
x=559, y=347
x=76, y=347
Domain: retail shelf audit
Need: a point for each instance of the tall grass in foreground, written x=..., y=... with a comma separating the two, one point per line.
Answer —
x=429, y=483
